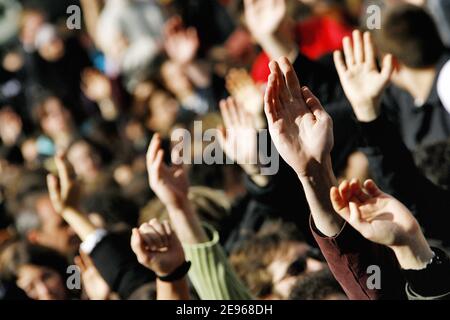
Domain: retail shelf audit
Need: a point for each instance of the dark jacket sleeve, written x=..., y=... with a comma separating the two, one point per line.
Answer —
x=431, y=283
x=118, y=265
x=393, y=168
x=349, y=257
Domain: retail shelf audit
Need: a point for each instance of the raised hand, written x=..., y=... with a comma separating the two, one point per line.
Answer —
x=64, y=190
x=245, y=91
x=94, y=285
x=301, y=129
x=361, y=80
x=181, y=43
x=65, y=194
x=382, y=219
x=264, y=17
x=157, y=247
x=170, y=183
x=239, y=137
x=378, y=216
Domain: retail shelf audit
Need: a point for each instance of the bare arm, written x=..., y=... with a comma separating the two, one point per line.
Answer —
x=302, y=133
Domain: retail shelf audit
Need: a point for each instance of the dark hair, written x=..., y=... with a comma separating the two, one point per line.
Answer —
x=316, y=286
x=409, y=34
x=21, y=253
x=430, y=159
x=253, y=256
x=113, y=207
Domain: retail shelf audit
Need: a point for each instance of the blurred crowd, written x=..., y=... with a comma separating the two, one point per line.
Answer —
x=89, y=175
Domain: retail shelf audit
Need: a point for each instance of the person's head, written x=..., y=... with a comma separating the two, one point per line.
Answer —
x=408, y=33
x=31, y=20
x=39, y=271
x=49, y=44
x=163, y=111
x=110, y=210
x=271, y=261
x=39, y=223
x=84, y=158
x=319, y=285
x=52, y=116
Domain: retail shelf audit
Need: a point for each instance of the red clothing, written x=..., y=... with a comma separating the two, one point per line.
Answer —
x=316, y=37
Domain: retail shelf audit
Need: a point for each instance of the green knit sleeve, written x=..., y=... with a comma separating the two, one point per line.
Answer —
x=211, y=274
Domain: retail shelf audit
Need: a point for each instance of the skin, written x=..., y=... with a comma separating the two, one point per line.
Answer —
x=382, y=219
x=158, y=248
x=41, y=283
x=302, y=132
x=376, y=215
x=54, y=232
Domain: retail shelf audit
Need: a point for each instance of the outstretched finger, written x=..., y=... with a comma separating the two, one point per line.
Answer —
x=348, y=52
x=387, y=67
x=283, y=92
x=358, y=47
x=153, y=148
x=271, y=102
x=339, y=63
x=369, y=50
x=292, y=81
x=313, y=103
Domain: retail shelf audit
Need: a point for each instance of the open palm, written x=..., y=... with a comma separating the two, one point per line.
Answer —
x=239, y=137
x=361, y=80
x=301, y=129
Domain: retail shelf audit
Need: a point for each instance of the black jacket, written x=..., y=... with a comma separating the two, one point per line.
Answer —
x=118, y=265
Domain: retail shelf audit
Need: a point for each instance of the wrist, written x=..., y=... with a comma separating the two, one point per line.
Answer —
x=415, y=255
x=366, y=111
x=322, y=170
x=277, y=46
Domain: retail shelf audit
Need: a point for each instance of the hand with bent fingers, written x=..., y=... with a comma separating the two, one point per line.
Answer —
x=170, y=183
x=382, y=219
x=301, y=129
x=362, y=82
x=239, y=138
x=157, y=247
x=378, y=216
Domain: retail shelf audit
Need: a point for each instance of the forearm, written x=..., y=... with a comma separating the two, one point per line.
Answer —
x=186, y=223
x=91, y=12
x=415, y=255
x=276, y=46
x=177, y=290
x=317, y=185
x=82, y=226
